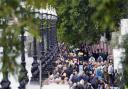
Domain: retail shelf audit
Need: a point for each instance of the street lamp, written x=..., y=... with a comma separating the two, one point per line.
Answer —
x=47, y=30
x=35, y=64
x=43, y=41
x=54, y=20
x=54, y=32
x=23, y=78
x=37, y=67
x=47, y=50
x=51, y=52
x=48, y=27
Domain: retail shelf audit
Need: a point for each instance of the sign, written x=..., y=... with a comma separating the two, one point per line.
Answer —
x=124, y=26
x=80, y=68
x=118, y=55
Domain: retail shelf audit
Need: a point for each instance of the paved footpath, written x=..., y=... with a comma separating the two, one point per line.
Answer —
x=51, y=86
x=13, y=79
x=54, y=86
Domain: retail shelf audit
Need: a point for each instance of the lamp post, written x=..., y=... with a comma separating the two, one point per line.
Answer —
x=55, y=32
x=50, y=32
x=51, y=36
x=5, y=83
x=23, y=78
x=35, y=64
x=47, y=31
x=43, y=42
x=49, y=39
x=50, y=28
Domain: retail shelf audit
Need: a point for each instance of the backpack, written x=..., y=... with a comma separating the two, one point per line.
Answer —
x=90, y=67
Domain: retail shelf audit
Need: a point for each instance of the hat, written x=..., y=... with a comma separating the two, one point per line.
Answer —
x=71, y=54
x=64, y=74
x=82, y=81
x=80, y=53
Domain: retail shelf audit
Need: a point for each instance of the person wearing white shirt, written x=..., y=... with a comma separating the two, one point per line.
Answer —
x=111, y=73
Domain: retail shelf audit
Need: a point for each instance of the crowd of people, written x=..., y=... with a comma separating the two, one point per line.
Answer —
x=81, y=68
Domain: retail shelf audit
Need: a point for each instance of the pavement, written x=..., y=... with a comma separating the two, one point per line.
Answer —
x=13, y=78
x=51, y=86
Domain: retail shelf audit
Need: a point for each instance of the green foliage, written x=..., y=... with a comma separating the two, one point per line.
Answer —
x=108, y=13
x=38, y=4
x=9, y=40
x=74, y=23
x=86, y=20
x=11, y=46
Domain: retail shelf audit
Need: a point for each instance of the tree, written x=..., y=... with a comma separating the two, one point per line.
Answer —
x=86, y=20
x=74, y=21
x=108, y=13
